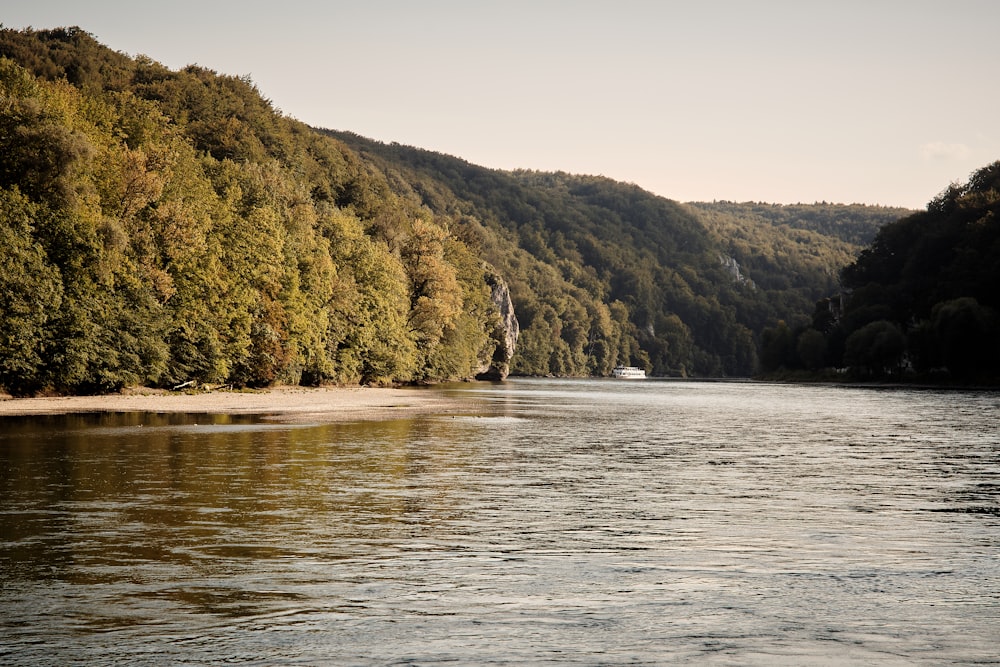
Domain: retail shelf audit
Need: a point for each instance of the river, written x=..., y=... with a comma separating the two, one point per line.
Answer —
x=583, y=522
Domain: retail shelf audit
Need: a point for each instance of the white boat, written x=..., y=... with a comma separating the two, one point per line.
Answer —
x=628, y=372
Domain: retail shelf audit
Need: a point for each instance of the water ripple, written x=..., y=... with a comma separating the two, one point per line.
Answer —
x=569, y=522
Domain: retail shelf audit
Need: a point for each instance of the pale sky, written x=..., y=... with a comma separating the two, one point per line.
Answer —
x=866, y=101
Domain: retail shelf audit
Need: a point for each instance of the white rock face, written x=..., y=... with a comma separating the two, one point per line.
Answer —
x=504, y=335
x=733, y=267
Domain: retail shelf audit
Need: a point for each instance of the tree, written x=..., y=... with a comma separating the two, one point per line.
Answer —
x=811, y=349
x=876, y=349
x=967, y=334
x=30, y=293
x=777, y=348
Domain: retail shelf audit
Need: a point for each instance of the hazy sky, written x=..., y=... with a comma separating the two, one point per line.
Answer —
x=870, y=101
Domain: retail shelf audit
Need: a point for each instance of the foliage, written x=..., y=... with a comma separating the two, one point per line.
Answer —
x=604, y=272
x=875, y=350
x=165, y=226
x=854, y=224
x=793, y=253
x=160, y=227
x=921, y=300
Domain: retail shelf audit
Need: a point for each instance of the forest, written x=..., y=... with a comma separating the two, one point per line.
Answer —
x=162, y=228
x=167, y=227
x=919, y=303
x=602, y=271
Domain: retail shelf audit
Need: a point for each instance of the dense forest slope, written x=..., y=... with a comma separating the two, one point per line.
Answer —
x=162, y=226
x=690, y=286
x=921, y=301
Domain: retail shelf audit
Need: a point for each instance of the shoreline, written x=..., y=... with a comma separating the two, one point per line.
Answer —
x=289, y=404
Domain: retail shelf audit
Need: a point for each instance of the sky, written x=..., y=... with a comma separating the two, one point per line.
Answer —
x=799, y=101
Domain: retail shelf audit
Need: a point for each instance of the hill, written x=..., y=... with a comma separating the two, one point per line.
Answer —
x=794, y=253
x=696, y=283
x=919, y=302
x=168, y=226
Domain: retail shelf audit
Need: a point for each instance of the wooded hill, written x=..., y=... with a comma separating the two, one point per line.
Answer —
x=160, y=227
x=921, y=301
x=690, y=286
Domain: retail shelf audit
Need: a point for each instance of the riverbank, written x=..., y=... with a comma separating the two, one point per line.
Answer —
x=296, y=404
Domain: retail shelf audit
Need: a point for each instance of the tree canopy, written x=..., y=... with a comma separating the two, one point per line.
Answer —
x=604, y=272
x=921, y=299
x=161, y=227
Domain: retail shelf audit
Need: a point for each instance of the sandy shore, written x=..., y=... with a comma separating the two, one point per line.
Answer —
x=284, y=404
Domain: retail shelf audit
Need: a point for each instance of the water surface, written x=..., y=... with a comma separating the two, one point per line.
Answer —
x=562, y=522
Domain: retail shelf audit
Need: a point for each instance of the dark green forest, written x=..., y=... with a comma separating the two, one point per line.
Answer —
x=162, y=227
x=919, y=303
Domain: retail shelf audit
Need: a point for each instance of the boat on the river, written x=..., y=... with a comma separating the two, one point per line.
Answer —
x=628, y=373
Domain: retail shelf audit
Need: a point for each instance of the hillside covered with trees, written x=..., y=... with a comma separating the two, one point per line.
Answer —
x=690, y=286
x=162, y=227
x=920, y=302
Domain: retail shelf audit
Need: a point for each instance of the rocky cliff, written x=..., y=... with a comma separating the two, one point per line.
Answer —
x=505, y=332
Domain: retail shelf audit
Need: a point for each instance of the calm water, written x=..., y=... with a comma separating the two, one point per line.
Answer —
x=563, y=522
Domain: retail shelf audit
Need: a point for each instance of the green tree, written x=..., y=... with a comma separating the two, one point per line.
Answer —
x=811, y=349
x=875, y=349
x=30, y=293
x=967, y=335
x=777, y=348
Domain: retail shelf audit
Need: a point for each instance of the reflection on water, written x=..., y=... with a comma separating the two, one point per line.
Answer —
x=587, y=522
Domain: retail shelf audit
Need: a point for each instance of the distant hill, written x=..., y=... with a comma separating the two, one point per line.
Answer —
x=171, y=226
x=855, y=224
x=794, y=252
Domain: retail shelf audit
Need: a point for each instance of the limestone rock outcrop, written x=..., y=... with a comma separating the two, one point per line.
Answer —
x=505, y=332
